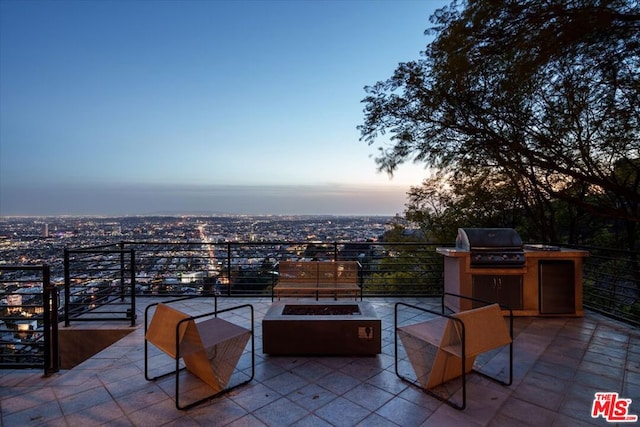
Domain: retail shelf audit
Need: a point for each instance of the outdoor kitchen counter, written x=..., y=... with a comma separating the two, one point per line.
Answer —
x=548, y=284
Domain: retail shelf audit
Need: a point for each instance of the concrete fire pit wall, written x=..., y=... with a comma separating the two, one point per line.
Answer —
x=324, y=334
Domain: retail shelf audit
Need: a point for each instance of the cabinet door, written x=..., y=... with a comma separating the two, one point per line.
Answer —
x=484, y=288
x=557, y=287
x=510, y=291
x=503, y=289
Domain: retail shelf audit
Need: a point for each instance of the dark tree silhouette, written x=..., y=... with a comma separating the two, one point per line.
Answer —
x=539, y=96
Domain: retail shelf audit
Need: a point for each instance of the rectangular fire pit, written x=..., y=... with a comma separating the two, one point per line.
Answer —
x=321, y=328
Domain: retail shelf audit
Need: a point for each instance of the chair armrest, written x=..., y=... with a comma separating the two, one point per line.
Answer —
x=423, y=310
x=502, y=306
x=216, y=312
x=146, y=310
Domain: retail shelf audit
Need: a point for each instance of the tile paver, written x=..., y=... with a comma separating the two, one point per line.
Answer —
x=559, y=363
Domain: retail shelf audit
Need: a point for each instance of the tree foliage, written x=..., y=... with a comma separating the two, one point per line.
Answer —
x=444, y=202
x=534, y=102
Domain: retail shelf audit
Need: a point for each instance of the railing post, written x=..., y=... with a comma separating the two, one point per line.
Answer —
x=50, y=323
x=229, y=268
x=133, y=285
x=122, y=283
x=46, y=318
x=67, y=287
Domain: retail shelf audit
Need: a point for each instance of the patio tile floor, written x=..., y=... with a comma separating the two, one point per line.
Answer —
x=559, y=363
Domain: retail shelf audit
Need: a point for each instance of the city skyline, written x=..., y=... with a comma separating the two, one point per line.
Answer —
x=150, y=200
x=138, y=108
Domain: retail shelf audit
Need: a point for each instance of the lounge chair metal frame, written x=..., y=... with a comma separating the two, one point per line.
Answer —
x=174, y=348
x=461, y=330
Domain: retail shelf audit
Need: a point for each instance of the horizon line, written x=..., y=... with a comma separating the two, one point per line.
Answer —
x=177, y=215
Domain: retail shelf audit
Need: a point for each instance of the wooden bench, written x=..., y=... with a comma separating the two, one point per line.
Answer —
x=446, y=347
x=210, y=348
x=318, y=278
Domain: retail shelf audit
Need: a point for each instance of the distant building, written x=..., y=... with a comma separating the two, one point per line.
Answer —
x=192, y=277
x=14, y=302
x=27, y=325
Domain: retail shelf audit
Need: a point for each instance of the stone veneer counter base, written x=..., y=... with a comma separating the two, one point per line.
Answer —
x=324, y=328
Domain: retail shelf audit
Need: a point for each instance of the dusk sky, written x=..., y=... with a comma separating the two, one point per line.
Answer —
x=182, y=107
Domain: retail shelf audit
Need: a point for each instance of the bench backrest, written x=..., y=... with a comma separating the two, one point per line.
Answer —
x=318, y=272
x=346, y=271
x=303, y=272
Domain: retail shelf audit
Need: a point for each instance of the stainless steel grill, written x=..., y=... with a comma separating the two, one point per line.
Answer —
x=492, y=247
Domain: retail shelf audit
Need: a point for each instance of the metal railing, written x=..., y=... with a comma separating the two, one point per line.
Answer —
x=28, y=319
x=99, y=284
x=611, y=283
x=107, y=275
x=103, y=283
x=119, y=273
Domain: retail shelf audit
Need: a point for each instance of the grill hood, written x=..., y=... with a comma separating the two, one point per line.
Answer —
x=488, y=239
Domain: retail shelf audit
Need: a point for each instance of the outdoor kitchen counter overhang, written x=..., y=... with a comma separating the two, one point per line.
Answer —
x=530, y=254
x=316, y=333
